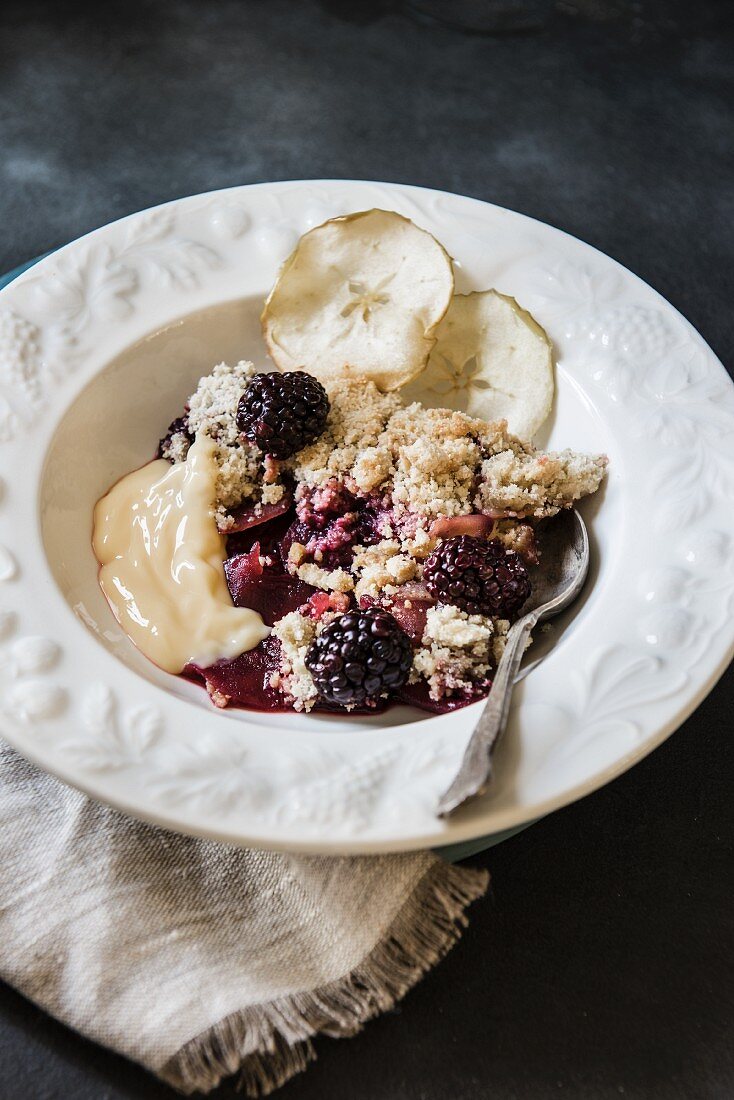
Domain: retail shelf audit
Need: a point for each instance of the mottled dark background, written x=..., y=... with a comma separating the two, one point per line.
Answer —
x=601, y=964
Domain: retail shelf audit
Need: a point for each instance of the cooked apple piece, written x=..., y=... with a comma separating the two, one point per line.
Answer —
x=360, y=297
x=491, y=360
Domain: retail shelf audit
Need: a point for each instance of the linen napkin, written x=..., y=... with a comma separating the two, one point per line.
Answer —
x=201, y=960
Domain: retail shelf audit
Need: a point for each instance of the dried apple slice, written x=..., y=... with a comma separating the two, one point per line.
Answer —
x=360, y=297
x=491, y=360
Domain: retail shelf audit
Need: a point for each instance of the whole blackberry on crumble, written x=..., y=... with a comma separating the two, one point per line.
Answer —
x=360, y=656
x=281, y=413
x=482, y=578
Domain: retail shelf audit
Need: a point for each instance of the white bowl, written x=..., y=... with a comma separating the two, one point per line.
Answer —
x=102, y=342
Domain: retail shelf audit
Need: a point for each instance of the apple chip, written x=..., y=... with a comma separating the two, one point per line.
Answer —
x=492, y=360
x=360, y=297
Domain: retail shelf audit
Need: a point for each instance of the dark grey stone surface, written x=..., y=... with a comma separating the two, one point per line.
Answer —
x=601, y=964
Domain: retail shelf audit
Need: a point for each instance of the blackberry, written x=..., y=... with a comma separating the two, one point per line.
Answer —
x=482, y=578
x=359, y=656
x=281, y=413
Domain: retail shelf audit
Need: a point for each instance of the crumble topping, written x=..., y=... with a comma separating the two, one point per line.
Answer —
x=528, y=483
x=213, y=411
x=400, y=568
x=381, y=567
x=501, y=630
x=435, y=457
x=455, y=652
x=416, y=542
x=458, y=651
x=383, y=484
x=295, y=633
x=447, y=626
x=213, y=408
x=433, y=462
x=218, y=698
x=176, y=447
x=331, y=580
x=519, y=537
x=272, y=493
x=357, y=418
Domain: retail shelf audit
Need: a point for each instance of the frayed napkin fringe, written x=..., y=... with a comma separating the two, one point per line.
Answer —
x=269, y=1043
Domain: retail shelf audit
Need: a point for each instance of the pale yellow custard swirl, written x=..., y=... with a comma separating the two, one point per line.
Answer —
x=161, y=557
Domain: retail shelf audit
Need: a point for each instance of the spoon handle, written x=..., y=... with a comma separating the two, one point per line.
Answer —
x=476, y=767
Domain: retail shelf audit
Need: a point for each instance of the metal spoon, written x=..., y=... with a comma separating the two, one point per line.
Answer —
x=564, y=563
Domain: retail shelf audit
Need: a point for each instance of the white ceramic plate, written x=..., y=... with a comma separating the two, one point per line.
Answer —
x=99, y=346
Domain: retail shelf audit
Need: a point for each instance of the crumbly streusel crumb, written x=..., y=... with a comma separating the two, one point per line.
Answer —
x=176, y=447
x=213, y=408
x=436, y=476
x=428, y=457
x=501, y=630
x=416, y=542
x=537, y=484
x=455, y=652
x=519, y=537
x=381, y=567
x=217, y=697
x=213, y=411
x=295, y=633
x=331, y=580
x=448, y=626
x=357, y=417
x=272, y=493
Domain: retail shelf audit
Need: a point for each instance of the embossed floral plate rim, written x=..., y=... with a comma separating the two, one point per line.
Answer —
x=645, y=649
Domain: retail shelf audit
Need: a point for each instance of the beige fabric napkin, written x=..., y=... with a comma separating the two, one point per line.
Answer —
x=200, y=960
